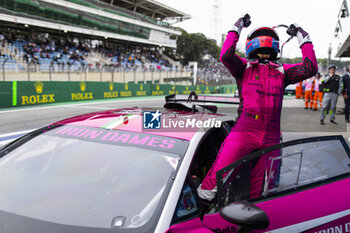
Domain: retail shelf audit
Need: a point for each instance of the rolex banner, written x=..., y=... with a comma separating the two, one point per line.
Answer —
x=26, y=93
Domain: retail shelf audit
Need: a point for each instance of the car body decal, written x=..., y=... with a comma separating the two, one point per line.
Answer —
x=123, y=138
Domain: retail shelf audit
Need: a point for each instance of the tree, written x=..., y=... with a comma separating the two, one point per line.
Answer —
x=192, y=47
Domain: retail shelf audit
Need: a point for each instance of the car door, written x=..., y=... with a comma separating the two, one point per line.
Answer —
x=309, y=193
x=188, y=212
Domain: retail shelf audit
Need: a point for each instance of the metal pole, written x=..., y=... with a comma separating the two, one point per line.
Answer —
x=85, y=71
x=28, y=69
x=113, y=70
x=144, y=76
x=50, y=67
x=134, y=75
x=69, y=65
x=152, y=75
x=3, y=69
x=101, y=72
x=123, y=75
x=329, y=55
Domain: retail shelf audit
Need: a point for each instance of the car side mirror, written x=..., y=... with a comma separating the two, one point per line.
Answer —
x=246, y=215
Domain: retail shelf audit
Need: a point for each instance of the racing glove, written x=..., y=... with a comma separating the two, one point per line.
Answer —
x=241, y=23
x=295, y=30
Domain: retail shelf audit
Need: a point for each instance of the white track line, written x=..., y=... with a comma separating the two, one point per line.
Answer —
x=76, y=104
x=87, y=107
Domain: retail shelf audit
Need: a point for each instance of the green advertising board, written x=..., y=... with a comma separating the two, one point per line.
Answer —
x=7, y=90
x=26, y=93
x=228, y=89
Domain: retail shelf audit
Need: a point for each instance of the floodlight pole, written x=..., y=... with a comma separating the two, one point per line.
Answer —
x=329, y=55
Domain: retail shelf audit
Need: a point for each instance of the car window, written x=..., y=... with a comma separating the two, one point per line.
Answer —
x=187, y=205
x=284, y=168
x=307, y=163
x=76, y=178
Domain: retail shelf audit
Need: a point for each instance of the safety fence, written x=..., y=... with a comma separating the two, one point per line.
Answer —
x=123, y=76
x=24, y=93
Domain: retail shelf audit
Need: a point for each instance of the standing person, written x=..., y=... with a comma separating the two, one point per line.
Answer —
x=261, y=82
x=318, y=93
x=346, y=82
x=298, y=90
x=332, y=87
x=308, y=92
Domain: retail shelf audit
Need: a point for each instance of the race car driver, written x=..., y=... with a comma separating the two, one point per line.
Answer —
x=261, y=82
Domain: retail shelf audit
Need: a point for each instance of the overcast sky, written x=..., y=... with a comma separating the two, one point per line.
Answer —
x=317, y=17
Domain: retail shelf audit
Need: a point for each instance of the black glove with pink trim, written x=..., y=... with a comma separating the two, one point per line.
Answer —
x=295, y=30
x=241, y=23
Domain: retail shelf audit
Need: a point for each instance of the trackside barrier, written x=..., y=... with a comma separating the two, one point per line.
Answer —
x=6, y=92
x=227, y=89
x=25, y=93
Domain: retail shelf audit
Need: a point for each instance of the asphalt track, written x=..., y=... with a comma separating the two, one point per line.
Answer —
x=296, y=121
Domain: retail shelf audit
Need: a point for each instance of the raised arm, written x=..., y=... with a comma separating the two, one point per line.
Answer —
x=228, y=57
x=297, y=72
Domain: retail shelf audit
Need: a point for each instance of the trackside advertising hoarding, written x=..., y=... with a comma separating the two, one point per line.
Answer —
x=26, y=93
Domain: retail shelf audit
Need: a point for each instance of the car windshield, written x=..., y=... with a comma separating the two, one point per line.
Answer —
x=97, y=179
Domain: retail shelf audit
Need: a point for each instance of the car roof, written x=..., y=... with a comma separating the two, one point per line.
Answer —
x=131, y=119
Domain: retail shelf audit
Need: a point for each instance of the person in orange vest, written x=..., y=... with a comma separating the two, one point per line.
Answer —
x=298, y=90
x=308, y=92
x=318, y=93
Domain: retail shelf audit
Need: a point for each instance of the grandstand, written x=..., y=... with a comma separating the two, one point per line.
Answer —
x=92, y=39
x=341, y=43
x=86, y=34
x=93, y=19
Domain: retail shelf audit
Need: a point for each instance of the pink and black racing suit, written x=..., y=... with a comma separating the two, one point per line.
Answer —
x=261, y=88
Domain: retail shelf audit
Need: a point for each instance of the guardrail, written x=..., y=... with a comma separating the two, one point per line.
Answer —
x=24, y=93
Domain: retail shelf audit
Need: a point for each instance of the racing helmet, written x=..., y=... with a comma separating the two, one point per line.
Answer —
x=264, y=40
